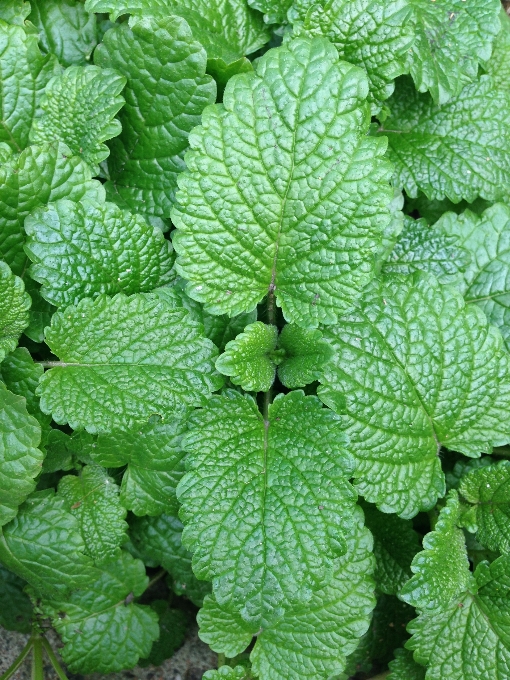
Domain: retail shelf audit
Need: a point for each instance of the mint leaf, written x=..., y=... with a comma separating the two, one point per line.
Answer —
x=275, y=11
x=172, y=632
x=59, y=452
x=20, y=459
x=431, y=211
x=44, y=546
x=14, y=11
x=93, y=498
x=65, y=29
x=87, y=248
x=306, y=354
x=404, y=667
x=373, y=34
x=247, y=359
x=431, y=151
x=40, y=312
x=103, y=386
x=270, y=482
x=302, y=115
x=78, y=109
x=90, y=620
x=15, y=607
x=486, y=280
x=406, y=388
x=38, y=175
x=14, y=306
x=452, y=38
x=166, y=92
x=227, y=673
x=498, y=66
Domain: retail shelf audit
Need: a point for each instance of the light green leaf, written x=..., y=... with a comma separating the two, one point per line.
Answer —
x=488, y=489
x=275, y=11
x=404, y=667
x=498, y=66
x=110, y=376
x=305, y=355
x=40, y=312
x=166, y=92
x=302, y=115
x=313, y=640
x=93, y=498
x=14, y=306
x=65, y=29
x=452, y=38
x=158, y=539
x=44, y=546
x=38, y=175
x=102, y=629
x=248, y=359
x=87, y=248
x=432, y=151
x=14, y=11
x=24, y=73
x=265, y=500
x=20, y=459
x=172, y=632
x=415, y=369
x=154, y=458
x=373, y=34
x=428, y=249
x=486, y=281
x=15, y=607
x=227, y=673
x=78, y=109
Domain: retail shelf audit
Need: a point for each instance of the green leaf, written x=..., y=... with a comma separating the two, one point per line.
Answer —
x=154, y=457
x=275, y=11
x=15, y=607
x=40, y=312
x=14, y=11
x=78, y=109
x=87, y=248
x=265, y=500
x=44, y=546
x=463, y=467
x=166, y=92
x=452, y=38
x=373, y=34
x=124, y=359
x=38, y=175
x=172, y=632
x=93, y=498
x=65, y=29
x=404, y=667
x=59, y=452
x=158, y=539
x=14, y=306
x=498, y=66
x=415, y=369
x=395, y=545
x=488, y=489
x=310, y=641
x=486, y=281
x=428, y=249
x=24, y=73
x=432, y=152
x=431, y=211
x=102, y=629
x=302, y=115
x=247, y=359
x=20, y=459
x=305, y=355
x=227, y=673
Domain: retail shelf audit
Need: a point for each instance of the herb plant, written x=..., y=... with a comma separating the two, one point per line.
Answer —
x=254, y=335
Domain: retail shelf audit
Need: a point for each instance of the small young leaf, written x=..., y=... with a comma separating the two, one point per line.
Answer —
x=257, y=492
x=78, y=109
x=431, y=151
x=247, y=359
x=275, y=11
x=87, y=248
x=227, y=673
x=404, y=667
x=15, y=606
x=172, y=631
x=415, y=369
x=103, y=630
x=14, y=306
x=306, y=354
x=312, y=241
x=498, y=66
x=93, y=498
x=124, y=359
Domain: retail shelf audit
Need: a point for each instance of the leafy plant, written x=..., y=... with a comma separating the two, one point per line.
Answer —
x=254, y=335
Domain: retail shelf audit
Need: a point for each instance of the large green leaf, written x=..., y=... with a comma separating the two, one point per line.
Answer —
x=103, y=630
x=124, y=359
x=373, y=34
x=404, y=667
x=15, y=606
x=38, y=175
x=275, y=11
x=265, y=500
x=14, y=11
x=311, y=641
x=20, y=459
x=14, y=306
x=458, y=150
x=452, y=38
x=87, y=248
x=166, y=92
x=284, y=180
x=498, y=65
x=415, y=369
x=78, y=109
x=44, y=546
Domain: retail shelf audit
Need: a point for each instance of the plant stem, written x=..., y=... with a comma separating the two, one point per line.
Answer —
x=53, y=659
x=156, y=578
x=37, y=659
x=17, y=663
x=271, y=307
x=221, y=660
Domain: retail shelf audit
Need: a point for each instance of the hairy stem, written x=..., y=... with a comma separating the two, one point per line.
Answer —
x=17, y=663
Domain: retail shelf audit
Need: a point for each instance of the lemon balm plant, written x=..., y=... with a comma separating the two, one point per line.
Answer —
x=254, y=334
